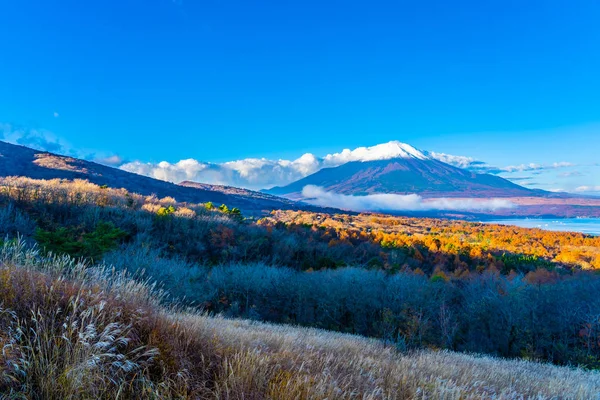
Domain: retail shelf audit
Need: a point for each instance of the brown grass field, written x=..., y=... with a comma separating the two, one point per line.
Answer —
x=70, y=331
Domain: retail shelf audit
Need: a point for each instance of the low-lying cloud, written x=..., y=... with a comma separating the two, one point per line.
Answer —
x=395, y=202
x=263, y=173
x=253, y=173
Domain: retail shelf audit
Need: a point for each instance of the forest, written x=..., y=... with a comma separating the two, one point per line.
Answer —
x=415, y=283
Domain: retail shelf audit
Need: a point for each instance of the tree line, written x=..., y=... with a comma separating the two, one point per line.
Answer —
x=413, y=282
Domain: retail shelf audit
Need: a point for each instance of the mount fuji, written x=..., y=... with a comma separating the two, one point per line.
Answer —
x=399, y=168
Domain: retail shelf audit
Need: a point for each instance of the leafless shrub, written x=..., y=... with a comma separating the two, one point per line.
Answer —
x=73, y=331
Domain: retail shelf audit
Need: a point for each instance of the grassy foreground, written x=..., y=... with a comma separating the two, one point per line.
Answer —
x=70, y=331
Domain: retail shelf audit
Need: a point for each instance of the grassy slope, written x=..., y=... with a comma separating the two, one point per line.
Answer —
x=22, y=161
x=69, y=331
x=540, y=315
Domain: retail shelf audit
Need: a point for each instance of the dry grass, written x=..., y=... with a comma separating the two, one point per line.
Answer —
x=68, y=331
x=296, y=363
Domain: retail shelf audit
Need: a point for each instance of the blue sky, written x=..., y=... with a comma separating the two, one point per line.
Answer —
x=505, y=82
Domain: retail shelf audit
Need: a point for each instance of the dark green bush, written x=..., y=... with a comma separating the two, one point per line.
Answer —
x=71, y=241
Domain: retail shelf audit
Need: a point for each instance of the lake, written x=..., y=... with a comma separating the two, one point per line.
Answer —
x=585, y=225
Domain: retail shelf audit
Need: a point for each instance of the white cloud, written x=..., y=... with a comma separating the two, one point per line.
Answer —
x=38, y=139
x=251, y=173
x=457, y=161
x=394, y=202
x=385, y=151
x=588, y=189
x=44, y=140
x=536, y=167
x=111, y=161
x=259, y=173
x=262, y=173
x=570, y=174
x=522, y=167
x=56, y=115
x=180, y=171
x=481, y=167
x=562, y=164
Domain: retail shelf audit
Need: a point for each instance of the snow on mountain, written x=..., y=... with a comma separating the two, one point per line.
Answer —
x=384, y=151
x=260, y=173
x=411, y=173
x=264, y=173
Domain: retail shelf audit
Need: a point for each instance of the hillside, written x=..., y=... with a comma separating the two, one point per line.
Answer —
x=22, y=161
x=96, y=334
x=407, y=175
x=420, y=283
x=231, y=190
x=399, y=169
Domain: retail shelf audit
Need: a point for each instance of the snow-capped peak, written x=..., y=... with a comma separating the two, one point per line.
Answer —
x=260, y=173
x=384, y=151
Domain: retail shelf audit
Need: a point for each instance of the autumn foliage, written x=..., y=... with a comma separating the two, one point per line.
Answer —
x=416, y=283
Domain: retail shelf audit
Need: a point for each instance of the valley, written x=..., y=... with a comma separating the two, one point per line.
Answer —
x=299, y=200
x=415, y=289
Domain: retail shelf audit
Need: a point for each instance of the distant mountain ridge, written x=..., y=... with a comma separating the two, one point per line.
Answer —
x=405, y=171
x=398, y=168
x=16, y=160
x=414, y=173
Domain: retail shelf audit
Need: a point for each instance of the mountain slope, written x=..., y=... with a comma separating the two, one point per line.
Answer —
x=232, y=190
x=406, y=172
x=22, y=161
x=399, y=168
x=106, y=336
